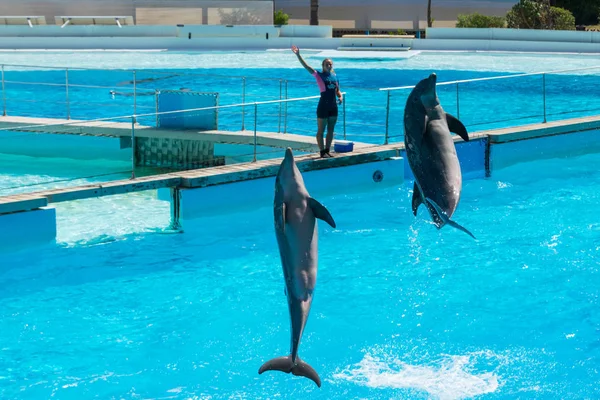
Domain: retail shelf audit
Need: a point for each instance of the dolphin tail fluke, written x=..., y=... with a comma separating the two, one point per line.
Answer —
x=285, y=364
x=447, y=220
x=460, y=227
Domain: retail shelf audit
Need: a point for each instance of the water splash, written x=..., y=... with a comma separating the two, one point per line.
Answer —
x=452, y=377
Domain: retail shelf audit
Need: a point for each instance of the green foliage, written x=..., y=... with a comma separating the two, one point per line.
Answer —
x=562, y=19
x=476, y=20
x=524, y=15
x=398, y=32
x=280, y=18
x=585, y=11
x=538, y=14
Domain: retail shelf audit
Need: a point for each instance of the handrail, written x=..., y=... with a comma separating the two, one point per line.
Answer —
x=282, y=101
x=260, y=78
x=126, y=117
x=212, y=75
x=494, y=78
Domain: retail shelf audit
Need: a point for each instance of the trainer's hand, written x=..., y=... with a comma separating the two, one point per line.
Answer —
x=296, y=50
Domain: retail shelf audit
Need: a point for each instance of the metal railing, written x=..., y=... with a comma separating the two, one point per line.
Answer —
x=374, y=116
x=272, y=115
x=457, y=84
x=130, y=122
x=81, y=99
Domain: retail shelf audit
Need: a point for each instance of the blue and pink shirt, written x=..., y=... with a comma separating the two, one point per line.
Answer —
x=328, y=83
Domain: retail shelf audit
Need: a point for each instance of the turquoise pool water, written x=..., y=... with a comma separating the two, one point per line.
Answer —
x=19, y=174
x=401, y=310
x=480, y=105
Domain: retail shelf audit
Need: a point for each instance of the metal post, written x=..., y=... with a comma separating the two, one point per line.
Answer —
x=344, y=108
x=175, y=209
x=67, y=93
x=544, y=94
x=255, y=116
x=134, y=94
x=133, y=147
x=3, y=93
x=243, y=100
x=280, y=105
x=457, y=103
x=286, y=105
x=156, y=105
x=387, y=118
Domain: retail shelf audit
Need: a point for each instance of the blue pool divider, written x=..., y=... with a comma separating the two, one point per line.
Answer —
x=177, y=100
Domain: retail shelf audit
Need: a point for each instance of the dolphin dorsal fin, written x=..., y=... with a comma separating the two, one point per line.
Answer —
x=321, y=212
x=417, y=200
x=457, y=127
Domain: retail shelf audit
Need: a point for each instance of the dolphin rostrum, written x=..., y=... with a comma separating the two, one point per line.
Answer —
x=296, y=230
x=432, y=155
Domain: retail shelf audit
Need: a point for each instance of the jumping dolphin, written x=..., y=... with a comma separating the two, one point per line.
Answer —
x=431, y=153
x=296, y=230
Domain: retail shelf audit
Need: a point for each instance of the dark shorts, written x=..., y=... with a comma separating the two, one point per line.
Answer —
x=325, y=110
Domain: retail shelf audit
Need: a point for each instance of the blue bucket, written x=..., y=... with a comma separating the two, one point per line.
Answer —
x=343, y=146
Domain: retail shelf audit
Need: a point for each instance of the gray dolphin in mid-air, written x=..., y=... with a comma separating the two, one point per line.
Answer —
x=296, y=230
x=432, y=155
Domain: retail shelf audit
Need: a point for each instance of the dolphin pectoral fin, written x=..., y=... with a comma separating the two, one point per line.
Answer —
x=416, y=199
x=321, y=212
x=283, y=208
x=285, y=364
x=447, y=220
x=280, y=218
x=457, y=127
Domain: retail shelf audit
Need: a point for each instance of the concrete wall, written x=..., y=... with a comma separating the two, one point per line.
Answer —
x=186, y=37
x=531, y=35
x=389, y=14
x=262, y=37
x=196, y=203
x=200, y=40
x=148, y=12
x=85, y=31
x=320, y=31
x=501, y=39
x=28, y=228
x=504, y=45
x=503, y=155
x=64, y=146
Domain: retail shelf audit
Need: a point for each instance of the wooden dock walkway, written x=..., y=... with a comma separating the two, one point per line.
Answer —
x=198, y=178
x=110, y=128
x=194, y=178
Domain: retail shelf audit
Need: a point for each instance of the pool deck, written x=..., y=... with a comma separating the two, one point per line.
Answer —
x=123, y=129
x=194, y=178
x=552, y=128
x=266, y=168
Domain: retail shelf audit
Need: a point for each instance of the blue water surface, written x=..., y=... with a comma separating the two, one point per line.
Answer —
x=480, y=105
x=401, y=309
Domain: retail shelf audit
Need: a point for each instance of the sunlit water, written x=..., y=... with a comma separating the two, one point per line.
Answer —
x=273, y=75
x=401, y=309
x=480, y=105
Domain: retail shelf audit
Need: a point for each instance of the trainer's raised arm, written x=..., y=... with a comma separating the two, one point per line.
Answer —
x=296, y=51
